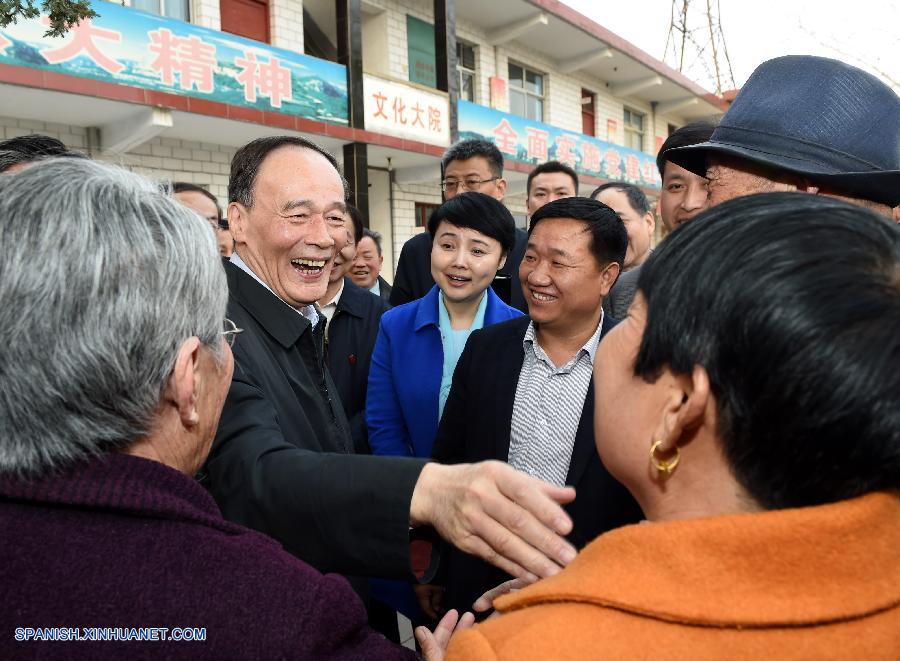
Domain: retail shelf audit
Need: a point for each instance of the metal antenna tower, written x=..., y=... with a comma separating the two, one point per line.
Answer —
x=696, y=44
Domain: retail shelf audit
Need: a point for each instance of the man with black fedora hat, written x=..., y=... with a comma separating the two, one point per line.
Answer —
x=809, y=124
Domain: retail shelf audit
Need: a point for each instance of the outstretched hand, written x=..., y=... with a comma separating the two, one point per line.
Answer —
x=491, y=510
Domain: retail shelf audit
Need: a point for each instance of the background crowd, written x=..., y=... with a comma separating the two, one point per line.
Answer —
x=211, y=427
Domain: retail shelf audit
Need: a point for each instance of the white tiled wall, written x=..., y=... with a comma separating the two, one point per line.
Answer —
x=169, y=159
x=286, y=24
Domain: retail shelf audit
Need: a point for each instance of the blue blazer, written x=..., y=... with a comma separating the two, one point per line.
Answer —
x=405, y=376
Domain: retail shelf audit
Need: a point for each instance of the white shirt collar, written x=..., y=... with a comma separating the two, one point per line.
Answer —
x=590, y=347
x=337, y=297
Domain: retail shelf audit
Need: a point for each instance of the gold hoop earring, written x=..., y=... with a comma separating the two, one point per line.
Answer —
x=661, y=465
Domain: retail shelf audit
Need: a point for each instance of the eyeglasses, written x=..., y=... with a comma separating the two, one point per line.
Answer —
x=470, y=184
x=230, y=331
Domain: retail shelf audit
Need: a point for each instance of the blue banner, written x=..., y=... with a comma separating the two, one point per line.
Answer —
x=527, y=141
x=129, y=47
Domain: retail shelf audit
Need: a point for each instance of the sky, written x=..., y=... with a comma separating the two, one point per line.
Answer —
x=865, y=33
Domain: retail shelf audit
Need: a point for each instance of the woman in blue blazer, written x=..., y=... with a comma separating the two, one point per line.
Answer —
x=420, y=342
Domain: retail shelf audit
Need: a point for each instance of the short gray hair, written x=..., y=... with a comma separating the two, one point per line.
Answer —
x=102, y=279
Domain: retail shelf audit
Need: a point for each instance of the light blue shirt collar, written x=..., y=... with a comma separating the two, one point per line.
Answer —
x=453, y=342
x=310, y=312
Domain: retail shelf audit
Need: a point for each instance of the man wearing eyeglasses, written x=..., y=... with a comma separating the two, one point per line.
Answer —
x=469, y=165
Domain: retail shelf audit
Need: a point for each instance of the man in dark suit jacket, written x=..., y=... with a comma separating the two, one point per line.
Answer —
x=352, y=331
x=523, y=391
x=384, y=291
x=281, y=461
x=366, y=269
x=353, y=315
x=469, y=165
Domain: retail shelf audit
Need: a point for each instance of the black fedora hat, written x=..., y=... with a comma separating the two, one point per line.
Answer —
x=833, y=123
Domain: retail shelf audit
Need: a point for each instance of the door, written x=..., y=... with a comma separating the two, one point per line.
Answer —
x=587, y=112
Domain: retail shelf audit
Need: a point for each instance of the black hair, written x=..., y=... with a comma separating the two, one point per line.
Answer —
x=34, y=145
x=9, y=159
x=689, y=134
x=636, y=197
x=375, y=236
x=184, y=187
x=358, y=221
x=248, y=159
x=479, y=212
x=551, y=166
x=466, y=149
x=609, y=239
x=792, y=305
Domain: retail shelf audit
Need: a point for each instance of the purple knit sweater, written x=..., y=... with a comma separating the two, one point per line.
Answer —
x=128, y=542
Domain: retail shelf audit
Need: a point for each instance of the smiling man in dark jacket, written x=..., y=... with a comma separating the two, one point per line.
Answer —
x=353, y=315
x=522, y=390
x=282, y=461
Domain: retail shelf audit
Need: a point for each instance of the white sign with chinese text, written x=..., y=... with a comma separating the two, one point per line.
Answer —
x=406, y=112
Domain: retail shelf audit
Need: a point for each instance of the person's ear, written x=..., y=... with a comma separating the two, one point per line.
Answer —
x=501, y=188
x=685, y=408
x=608, y=277
x=181, y=388
x=502, y=260
x=237, y=216
x=650, y=219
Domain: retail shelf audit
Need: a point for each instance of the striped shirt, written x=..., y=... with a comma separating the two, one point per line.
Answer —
x=548, y=405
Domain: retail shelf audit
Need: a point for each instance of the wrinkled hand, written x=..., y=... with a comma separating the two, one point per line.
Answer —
x=486, y=601
x=431, y=599
x=435, y=644
x=491, y=510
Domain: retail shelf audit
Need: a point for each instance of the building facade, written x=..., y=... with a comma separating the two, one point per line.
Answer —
x=171, y=88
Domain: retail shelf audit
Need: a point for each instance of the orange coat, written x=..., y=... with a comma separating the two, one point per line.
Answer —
x=812, y=583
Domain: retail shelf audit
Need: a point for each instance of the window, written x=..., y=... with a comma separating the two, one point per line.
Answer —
x=420, y=52
x=588, y=121
x=526, y=92
x=247, y=18
x=634, y=129
x=171, y=8
x=465, y=65
x=423, y=212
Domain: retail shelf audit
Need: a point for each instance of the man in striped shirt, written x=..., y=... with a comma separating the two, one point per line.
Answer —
x=522, y=390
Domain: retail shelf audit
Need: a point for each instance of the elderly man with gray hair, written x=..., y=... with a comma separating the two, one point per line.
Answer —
x=115, y=362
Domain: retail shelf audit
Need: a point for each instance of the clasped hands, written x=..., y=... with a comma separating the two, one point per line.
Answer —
x=511, y=520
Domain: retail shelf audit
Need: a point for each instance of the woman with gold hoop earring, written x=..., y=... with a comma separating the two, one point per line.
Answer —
x=750, y=402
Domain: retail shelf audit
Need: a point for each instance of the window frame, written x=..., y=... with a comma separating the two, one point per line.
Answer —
x=423, y=211
x=524, y=89
x=462, y=70
x=629, y=130
x=162, y=10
